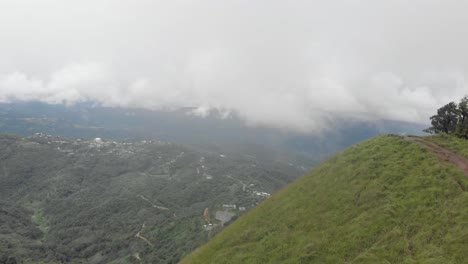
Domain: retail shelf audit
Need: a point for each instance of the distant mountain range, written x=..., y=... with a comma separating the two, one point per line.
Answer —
x=229, y=134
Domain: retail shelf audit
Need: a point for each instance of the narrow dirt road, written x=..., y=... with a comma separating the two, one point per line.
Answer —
x=442, y=153
x=138, y=235
x=152, y=204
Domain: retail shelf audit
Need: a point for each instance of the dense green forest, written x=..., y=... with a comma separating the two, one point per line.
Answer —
x=98, y=201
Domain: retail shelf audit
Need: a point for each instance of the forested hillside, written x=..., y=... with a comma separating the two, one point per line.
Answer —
x=98, y=201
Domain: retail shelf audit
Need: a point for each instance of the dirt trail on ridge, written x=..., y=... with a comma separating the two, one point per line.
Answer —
x=442, y=153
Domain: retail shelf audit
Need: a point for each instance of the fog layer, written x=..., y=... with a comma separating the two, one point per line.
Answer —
x=289, y=64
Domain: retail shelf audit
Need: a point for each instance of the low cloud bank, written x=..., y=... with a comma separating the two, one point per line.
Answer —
x=274, y=63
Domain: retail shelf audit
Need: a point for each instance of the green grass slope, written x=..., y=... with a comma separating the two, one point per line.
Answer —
x=385, y=200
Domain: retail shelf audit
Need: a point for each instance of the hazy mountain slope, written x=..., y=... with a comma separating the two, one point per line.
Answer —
x=89, y=121
x=86, y=201
x=385, y=200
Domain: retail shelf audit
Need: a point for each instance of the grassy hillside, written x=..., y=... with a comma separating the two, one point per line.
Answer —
x=385, y=200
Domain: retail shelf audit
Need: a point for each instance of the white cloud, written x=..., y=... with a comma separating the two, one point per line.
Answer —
x=72, y=84
x=287, y=64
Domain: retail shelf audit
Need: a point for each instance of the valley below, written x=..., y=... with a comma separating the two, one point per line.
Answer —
x=100, y=201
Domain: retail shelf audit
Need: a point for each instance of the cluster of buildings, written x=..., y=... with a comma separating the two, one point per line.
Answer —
x=262, y=194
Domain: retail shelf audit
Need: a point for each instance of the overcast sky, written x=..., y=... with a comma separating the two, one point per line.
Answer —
x=289, y=64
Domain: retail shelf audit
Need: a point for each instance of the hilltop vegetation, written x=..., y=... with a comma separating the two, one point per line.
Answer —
x=386, y=200
x=451, y=118
x=98, y=201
